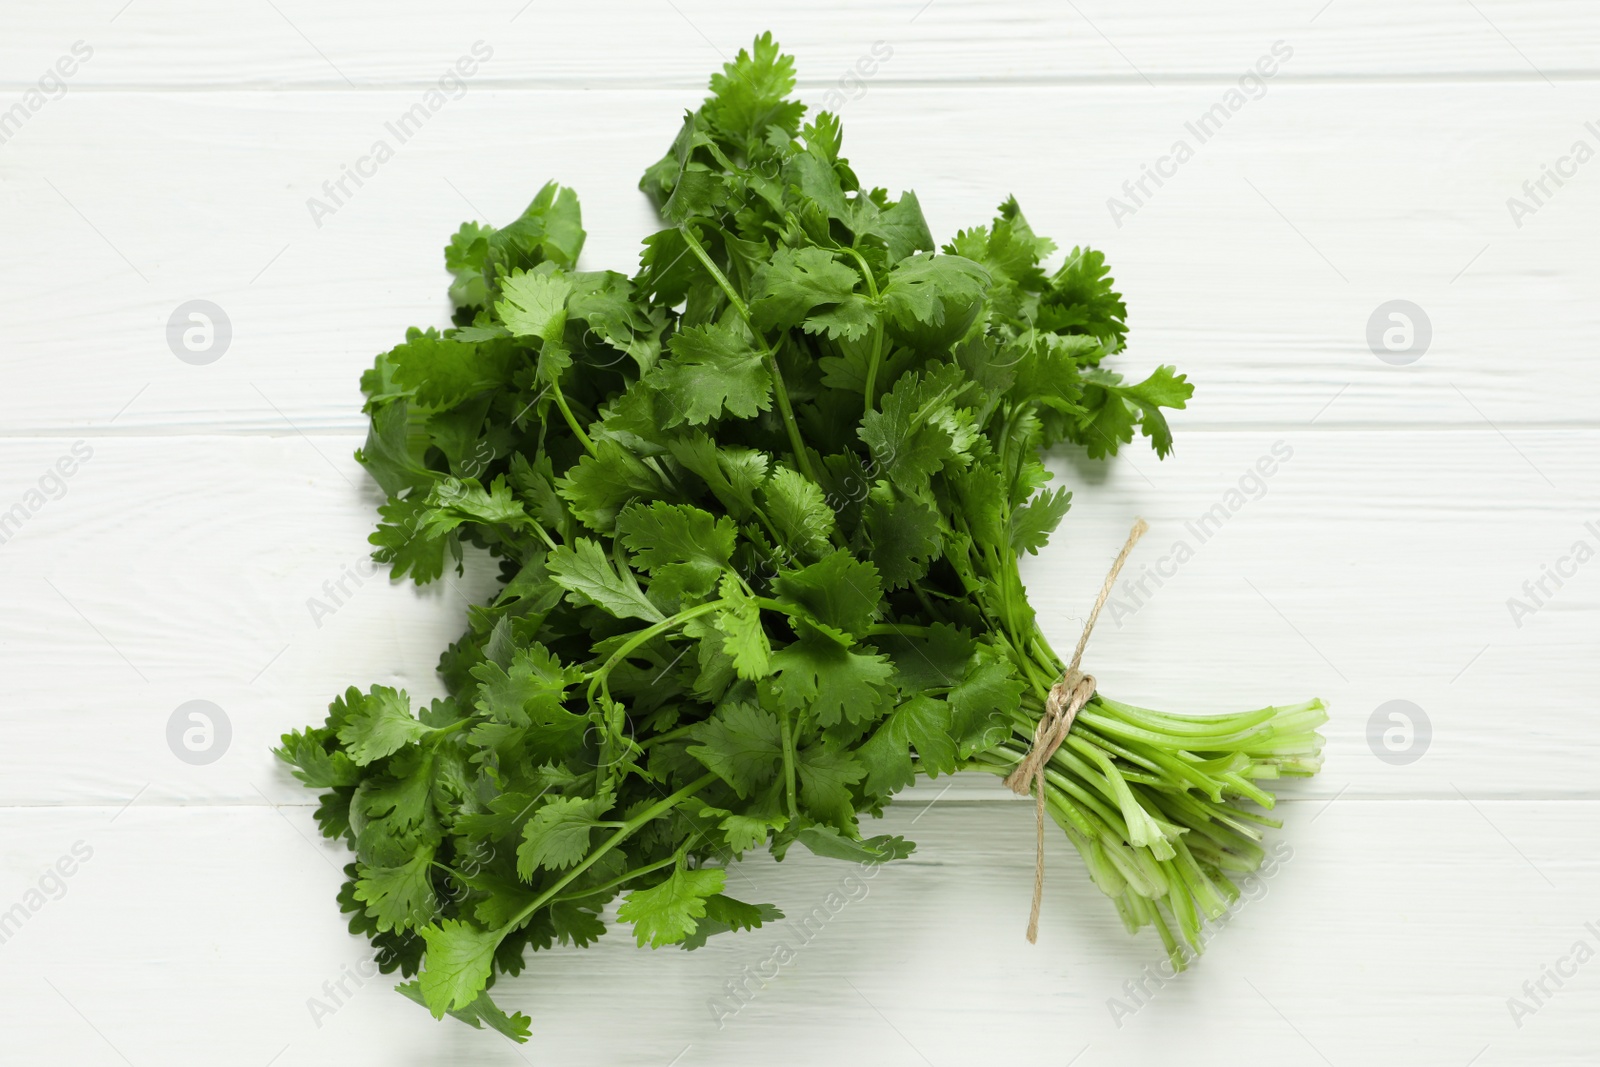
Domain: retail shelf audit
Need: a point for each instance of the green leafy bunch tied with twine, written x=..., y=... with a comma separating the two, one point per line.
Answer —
x=757, y=511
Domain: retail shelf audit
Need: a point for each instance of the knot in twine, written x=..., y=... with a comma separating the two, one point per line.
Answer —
x=1061, y=707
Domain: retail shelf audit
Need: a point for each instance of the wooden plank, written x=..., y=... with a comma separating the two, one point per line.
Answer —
x=202, y=935
x=293, y=43
x=1367, y=567
x=1256, y=269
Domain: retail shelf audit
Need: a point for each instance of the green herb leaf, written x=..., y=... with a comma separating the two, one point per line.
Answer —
x=589, y=578
x=459, y=958
x=667, y=913
x=558, y=834
x=714, y=369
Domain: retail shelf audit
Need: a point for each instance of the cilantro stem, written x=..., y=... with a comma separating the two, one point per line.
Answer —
x=922, y=598
x=802, y=458
x=441, y=731
x=669, y=735
x=619, y=880
x=866, y=271
x=566, y=413
x=722, y=282
x=544, y=535
x=877, y=332
x=786, y=732
x=896, y=629
x=660, y=807
x=649, y=634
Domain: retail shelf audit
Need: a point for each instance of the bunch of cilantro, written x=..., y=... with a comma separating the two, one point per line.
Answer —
x=757, y=510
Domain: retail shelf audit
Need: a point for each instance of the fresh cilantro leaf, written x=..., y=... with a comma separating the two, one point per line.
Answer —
x=1081, y=299
x=464, y=257
x=453, y=501
x=797, y=507
x=826, y=774
x=744, y=832
x=741, y=744
x=832, y=682
x=387, y=454
x=988, y=690
x=589, y=578
x=399, y=898
x=667, y=913
x=850, y=320
x=666, y=269
x=457, y=964
x=1112, y=404
x=606, y=303
x=680, y=545
x=533, y=684
x=1050, y=369
x=930, y=290
x=838, y=590
x=905, y=537
x=922, y=723
x=732, y=474
x=932, y=658
x=743, y=638
x=713, y=369
x=751, y=93
x=557, y=836
x=724, y=915
x=1011, y=252
x=824, y=136
x=313, y=764
x=481, y=1013
x=1164, y=388
x=814, y=173
x=800, y=282
x=549, y=230
x=828, y=842
x=507, y=812
x=917, y=429
x=713, y=670
x=440, y=372
x=1034, y=522
x=600, y=485
x=534, y=304
x=400, y=543
x=380, y=726
x=903, y=228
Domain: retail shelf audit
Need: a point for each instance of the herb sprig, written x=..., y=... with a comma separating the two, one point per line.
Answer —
x=757, y=510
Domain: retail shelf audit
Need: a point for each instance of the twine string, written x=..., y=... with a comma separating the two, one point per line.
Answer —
x=1061, y=706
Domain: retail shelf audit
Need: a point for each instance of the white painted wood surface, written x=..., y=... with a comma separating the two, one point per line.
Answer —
x=1376, y=564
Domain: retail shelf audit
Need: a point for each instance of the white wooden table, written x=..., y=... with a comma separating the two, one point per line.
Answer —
x=207, y=504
